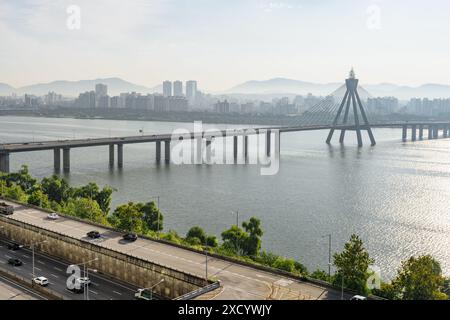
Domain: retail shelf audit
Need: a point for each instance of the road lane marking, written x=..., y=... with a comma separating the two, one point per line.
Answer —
x=117, y=293
x=56, y=268
x=53, y=275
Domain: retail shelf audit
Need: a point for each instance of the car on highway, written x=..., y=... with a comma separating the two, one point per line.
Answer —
x=14, y=246
x=15, y=262
x=130, y=237
x=76, y=287
x=53, y=216
x=358, y=297
x=42, y=281
x=94, y=234
x=84, y=281
x=6, y=209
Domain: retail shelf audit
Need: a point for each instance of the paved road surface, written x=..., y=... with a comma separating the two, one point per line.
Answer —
x=239, y=282
x=55, y=271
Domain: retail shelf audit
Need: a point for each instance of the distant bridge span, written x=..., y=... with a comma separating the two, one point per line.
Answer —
x=417, y=132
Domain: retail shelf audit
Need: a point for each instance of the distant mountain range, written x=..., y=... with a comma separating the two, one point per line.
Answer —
x=73, y=88
x=251, y=89
x=289, y=87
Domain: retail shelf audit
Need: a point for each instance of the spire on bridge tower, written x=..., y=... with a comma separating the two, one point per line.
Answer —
x=351, y=97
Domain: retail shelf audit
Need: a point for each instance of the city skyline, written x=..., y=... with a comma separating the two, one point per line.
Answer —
x=387, y=42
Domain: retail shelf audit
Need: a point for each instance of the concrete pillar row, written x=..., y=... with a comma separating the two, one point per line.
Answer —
x=445, y=132
x=430, y=132
x=57, y=159
x=120, y=155
x=4, y=162
x=66, y=160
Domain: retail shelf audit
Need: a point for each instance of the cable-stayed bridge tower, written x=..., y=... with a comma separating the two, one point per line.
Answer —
x=353, y=106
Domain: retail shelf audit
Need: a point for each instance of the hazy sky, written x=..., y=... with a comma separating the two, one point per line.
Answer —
x=224, y=42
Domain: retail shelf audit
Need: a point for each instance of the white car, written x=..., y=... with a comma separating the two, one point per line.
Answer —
x=84, y=281
x=53, y=216
x=42, y=281
x=358, y=298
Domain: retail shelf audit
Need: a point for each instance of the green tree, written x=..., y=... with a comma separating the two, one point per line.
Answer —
x=56, y=189
x=151, y=214
x=420, y=279
x=255, y=232
x=211, y=241
x=21, y=178
x=128, y=217
x=92, y=191
x=320, y=275
x=39, y=198
x=235, y=239
x=85, y=208
x=353, y=264
x=196, y=233
x=15, y=192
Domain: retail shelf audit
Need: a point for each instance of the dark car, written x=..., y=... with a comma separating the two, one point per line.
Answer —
x=93, y=234
x=15, y=262
x=14, y=246
x=130, y=237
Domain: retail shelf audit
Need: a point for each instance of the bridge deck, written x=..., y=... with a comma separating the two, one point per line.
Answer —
x=80, y=143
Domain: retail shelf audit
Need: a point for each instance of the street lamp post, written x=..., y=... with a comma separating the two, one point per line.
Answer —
x=32, y=250
x=86, y=284
x=329, y=255
x=85, y=273
x=237, y=217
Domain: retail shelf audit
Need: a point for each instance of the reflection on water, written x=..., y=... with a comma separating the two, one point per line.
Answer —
x=396, y=195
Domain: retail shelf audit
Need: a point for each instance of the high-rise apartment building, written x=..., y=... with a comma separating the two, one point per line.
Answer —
x=191, y=90
x=167, y=88
x=178, y=88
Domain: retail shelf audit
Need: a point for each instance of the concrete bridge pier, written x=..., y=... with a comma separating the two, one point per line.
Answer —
x=57, y=159
x=120, y=155
x=66, y=160
x=268, y=142
x=404, y=133
x=430, y=133
x=235, y=148
x=421, y=132
x=435, y=132
x=414, y=133
x=245, y=146
x=4, y=162
x=111, y=156
x=158, y=151
x=208, y=150
x=167, y=151
x=445, y=132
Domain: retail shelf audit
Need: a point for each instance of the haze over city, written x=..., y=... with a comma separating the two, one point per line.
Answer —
x=222, y=44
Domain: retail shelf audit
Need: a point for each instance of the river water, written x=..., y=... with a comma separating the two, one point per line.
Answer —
x=396, y=196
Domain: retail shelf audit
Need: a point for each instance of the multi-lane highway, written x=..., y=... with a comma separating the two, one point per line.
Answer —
x=55, y=271
x=238, y=281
